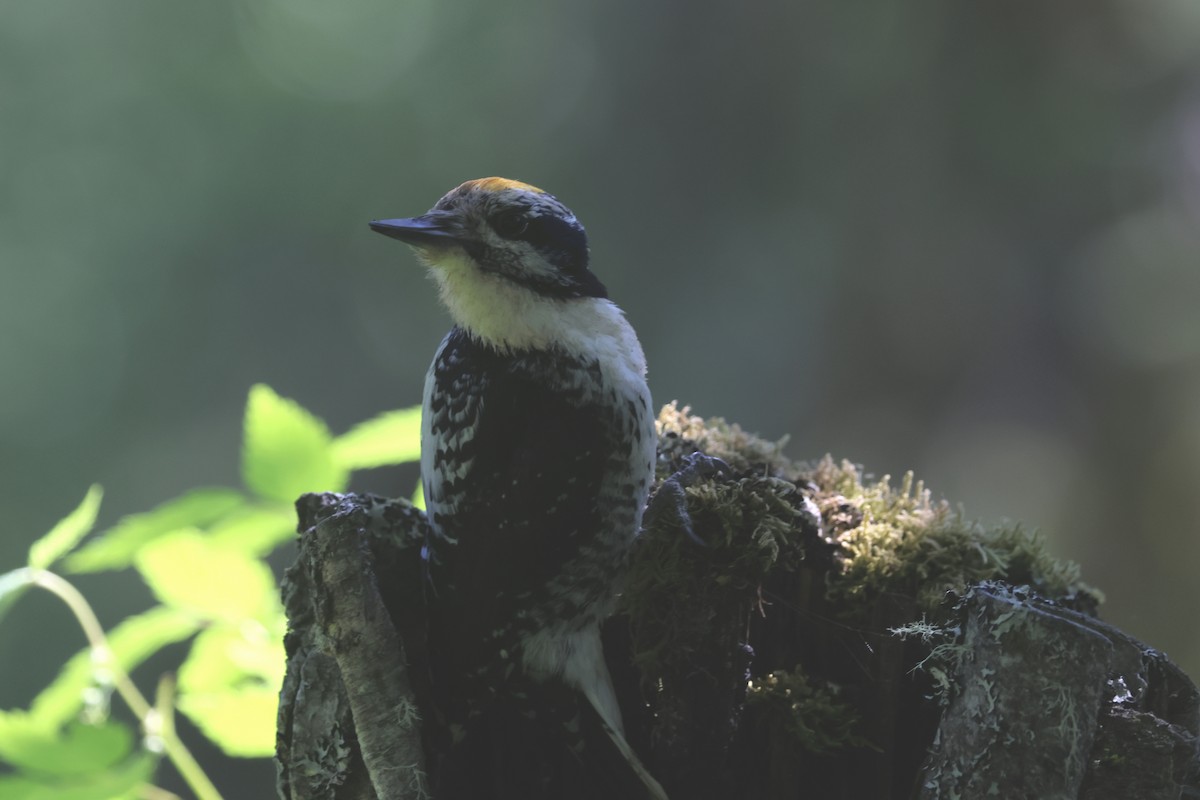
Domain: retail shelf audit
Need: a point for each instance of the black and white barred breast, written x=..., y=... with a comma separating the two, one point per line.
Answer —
x=536, y=465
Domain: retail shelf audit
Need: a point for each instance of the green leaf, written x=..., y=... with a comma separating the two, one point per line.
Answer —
x=287, y=451
x=131, y=642
x=115, y=549
x=256, y=530
x=229, y=687
x=67, y=533
x=240, y=721
x=418, y=498
x=120, y=782
x=393, y=437
x=188, y=570
x=79, y=748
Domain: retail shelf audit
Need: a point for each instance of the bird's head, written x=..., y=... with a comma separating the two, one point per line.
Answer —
x=511, y=264
x=495, y=231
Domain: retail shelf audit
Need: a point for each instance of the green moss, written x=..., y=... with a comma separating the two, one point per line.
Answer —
x=891, y=539
x=681, y=434
x=812, y=715
x=689, y=603
x=677, y=589
x=902, y=541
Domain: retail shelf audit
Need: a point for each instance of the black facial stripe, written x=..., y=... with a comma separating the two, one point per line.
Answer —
x=561, y=242
x=561, y=285
x=564, y=244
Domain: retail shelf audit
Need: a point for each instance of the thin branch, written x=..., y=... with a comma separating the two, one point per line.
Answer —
x=156, y=721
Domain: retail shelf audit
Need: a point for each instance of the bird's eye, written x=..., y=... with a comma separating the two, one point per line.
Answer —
x=510, y=224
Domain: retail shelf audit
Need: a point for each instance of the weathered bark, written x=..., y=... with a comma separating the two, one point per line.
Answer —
x=349, y=719
x=1019, y=693
x=1050, y=703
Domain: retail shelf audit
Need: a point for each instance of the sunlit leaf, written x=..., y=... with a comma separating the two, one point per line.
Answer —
x=229, y=687
x=115, y=548
x=226, y=655
x=256, y=530
x=240, y=721
x=67, y=533
x=286, y=451
x=119, y=782
x=132, y=641
x=418, y=498
x=390, y=438
x=188, y=570
x=29, y=744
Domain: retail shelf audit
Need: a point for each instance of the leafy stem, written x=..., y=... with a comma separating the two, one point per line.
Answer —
x=158, y=720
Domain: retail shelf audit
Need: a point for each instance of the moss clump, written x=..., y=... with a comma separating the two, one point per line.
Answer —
x=891, y=540
x=810, y=713
x=680, y=434
x=792, y=569
x=747, y=526
x=679, y=590
x=901, y=541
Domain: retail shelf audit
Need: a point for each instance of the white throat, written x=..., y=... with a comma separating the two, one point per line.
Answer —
x=508, y=316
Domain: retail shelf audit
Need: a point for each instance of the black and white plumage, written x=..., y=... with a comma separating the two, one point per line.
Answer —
x=538, y=449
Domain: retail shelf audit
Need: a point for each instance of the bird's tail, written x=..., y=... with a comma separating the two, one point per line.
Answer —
x=544, y=741
x=607, y=745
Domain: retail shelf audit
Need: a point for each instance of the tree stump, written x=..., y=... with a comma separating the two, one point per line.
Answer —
x=821, y=636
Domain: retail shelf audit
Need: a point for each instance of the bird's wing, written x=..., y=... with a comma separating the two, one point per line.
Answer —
x=514, y=469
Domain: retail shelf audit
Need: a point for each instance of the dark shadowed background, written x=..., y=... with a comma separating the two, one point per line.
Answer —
x=958, y=238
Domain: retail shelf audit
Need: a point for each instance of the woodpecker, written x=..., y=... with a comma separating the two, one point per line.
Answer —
x=537, y=453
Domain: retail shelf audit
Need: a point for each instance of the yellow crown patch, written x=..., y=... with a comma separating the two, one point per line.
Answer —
x=500, y=184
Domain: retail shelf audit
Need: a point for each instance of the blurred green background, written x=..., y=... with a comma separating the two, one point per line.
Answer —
x=958, y=238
